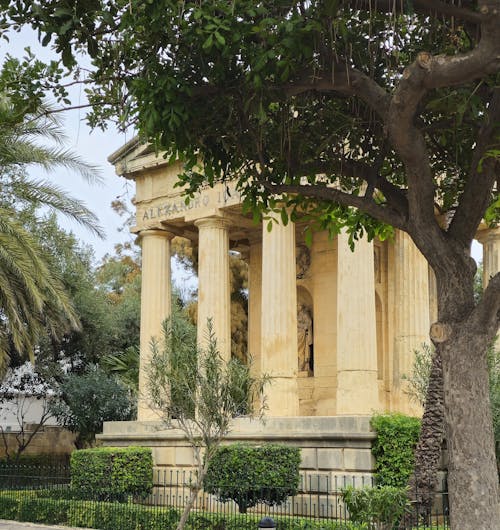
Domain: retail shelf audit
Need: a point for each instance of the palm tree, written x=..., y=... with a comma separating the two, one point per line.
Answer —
x=33, y=300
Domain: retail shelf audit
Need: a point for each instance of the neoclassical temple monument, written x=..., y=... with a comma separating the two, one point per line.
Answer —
x=335, y=329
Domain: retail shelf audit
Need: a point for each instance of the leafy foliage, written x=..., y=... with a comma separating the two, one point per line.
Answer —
x=87, y=400
x=112, y=473
x=183, y=379
x=199, y=392
x=393, y=449
x=379, y=508
x=249, y=475
x=418, y=380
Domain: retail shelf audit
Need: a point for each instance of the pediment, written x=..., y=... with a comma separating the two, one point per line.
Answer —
x=134, y=157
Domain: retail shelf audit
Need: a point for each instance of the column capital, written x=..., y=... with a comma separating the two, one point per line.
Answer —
x=485, y=235
x=156, y=232
x=212, y=222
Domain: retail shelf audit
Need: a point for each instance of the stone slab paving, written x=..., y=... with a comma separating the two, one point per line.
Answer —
x=13, y=525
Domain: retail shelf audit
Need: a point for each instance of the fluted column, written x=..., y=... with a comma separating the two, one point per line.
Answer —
x=357, y=386
x=490, y=239
x=255, y=304
x=213, y=282
x=156, y=306
x=279, y=319
x=412, y=315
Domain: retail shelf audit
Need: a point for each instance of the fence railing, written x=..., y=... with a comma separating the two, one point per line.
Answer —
x=44, y=494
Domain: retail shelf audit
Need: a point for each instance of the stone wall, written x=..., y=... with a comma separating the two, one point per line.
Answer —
x=50, y=439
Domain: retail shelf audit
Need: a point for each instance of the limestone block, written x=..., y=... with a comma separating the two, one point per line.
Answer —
x=358, y=460
x=330, y=459
x=309, y=458
x=163, y=456
x=184, y=456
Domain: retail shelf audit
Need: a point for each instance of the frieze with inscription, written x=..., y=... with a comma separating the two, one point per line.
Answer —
x=169, y=209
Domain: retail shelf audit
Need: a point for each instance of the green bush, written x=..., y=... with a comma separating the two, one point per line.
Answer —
x=123, y=516
x=380, y=508
x=111, y=473
x=248, y=475
x=393, y=449
x=39, y=510
x=9, y=503
x=89, y=399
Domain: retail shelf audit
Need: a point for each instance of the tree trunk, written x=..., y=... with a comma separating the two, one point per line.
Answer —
x=189, y=506
x=472, y=473
x=423, y=481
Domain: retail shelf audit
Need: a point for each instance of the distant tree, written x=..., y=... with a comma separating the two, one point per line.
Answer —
x=199, y=393
x=119, y=278
x=20, y=387
x=85, y=401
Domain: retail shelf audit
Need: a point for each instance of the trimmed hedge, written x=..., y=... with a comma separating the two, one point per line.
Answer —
x=39, y=510
x=112, y=473
x=126, y=516
x=9, y=504
x=267, y=474
x=393, y=449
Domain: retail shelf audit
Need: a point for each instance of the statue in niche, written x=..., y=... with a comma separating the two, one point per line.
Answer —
x=302, y=261
x=305, y=339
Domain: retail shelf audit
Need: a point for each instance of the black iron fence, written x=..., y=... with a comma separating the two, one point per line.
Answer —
x=44, y=494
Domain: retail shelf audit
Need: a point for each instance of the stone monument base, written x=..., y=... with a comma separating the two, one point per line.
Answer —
x=334, y=449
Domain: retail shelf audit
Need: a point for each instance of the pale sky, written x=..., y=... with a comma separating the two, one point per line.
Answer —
x=94, y=147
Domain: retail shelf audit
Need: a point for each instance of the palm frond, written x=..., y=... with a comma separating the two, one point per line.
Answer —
x=47, y=194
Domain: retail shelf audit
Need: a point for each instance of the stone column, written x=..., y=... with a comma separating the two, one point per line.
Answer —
x=213, y=282
x=357, y=386
x=279, y=319
x=490, y=239
x=156, y=306
x=411, y=313
x=254, y=304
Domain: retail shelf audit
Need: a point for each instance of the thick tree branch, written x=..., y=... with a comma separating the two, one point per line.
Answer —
x=347, y=81
x=422, y=7
x=365, y=204
x=486, y=315
x=356, y=169
x=425, y=73
x=476, y=195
